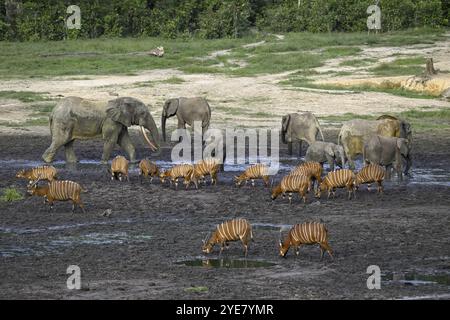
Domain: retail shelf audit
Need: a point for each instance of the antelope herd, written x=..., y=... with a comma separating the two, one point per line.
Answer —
x=302, y=180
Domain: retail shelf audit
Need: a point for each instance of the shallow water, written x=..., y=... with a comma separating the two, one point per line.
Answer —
x=416, y=279
x=226, y=263
x=56, y=244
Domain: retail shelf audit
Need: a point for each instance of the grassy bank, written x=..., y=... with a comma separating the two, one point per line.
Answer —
x=296, y=51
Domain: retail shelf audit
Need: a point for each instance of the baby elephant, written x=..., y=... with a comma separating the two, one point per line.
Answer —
x=322, y=152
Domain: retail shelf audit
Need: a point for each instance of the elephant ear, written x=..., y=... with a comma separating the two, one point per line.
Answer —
x=172, y=107
x=285, y=122
x=119, y=113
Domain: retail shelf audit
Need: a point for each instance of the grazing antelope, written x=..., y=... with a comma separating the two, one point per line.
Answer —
x=290, y=184
x=369, y=174
x=257, y=171
x=343, y=178
x=231, y=230
x=58, y=191
x=207, y=167
x=119, y=168
x=43, y=173
x=185, y=171
x=148, y=168
x=312, y=170
x=306, y=233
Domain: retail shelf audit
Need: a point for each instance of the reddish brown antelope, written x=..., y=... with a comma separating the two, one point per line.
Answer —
x=58, y=191
x=207, y=167
x=258, y=171
x=291, y=184
x=369, y=174
x=232, y=230
x=312, y=170
x=119, y=168
x=44, y=173
x=148, y=169
x=185, y=171
x=343, y=178
x=306, y=233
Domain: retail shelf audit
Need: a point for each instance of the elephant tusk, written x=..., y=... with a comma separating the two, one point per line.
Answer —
x=152, y=146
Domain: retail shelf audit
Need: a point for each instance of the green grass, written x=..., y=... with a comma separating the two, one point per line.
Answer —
x=401, y=67
x=173, y=80
x=24, y=96
x=81, y=58
x=197, y=289
x=42, y=109
x=102, y=56
x=10, y=195
x=420, y=119
x=385, y=87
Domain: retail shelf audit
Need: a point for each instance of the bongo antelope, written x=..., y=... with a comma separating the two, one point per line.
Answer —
x=258, y=171
x=44, y=173
x=343, y=178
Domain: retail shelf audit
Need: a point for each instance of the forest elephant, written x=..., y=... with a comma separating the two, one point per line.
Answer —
x=329, y=152
x=297, y=127
x=188, y=111
x=76, y=118
x=355, y=133
x=388, y=152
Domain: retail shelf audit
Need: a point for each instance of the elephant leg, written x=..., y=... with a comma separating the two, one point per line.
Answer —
x=59, y=139
x=330, y=161
x=300, y=148
x=111, y=136
x=70, y=152
x=290, y=148
x=127, y=145
x=181, y=125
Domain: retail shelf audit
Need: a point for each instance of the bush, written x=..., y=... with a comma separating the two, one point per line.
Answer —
x=11, y=194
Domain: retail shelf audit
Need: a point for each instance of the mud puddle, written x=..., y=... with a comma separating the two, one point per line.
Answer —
x=226, y=263
x=57, y=244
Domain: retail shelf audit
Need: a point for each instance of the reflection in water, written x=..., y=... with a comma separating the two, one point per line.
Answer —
x=226, y=263
x=416, y=279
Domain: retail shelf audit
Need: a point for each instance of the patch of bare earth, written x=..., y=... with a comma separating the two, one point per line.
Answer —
x=249, y=101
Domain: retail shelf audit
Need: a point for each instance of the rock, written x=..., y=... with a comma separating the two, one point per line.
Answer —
x=446, y=94
x=107, y=213
x=315, y=204
x=158, y=52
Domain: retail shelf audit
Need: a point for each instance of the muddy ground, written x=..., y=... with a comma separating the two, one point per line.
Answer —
x=134, y=253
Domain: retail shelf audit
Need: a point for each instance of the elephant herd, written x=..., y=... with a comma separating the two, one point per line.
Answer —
x=385, y=141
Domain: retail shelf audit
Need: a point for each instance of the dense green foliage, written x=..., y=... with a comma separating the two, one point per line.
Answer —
x=45, y=19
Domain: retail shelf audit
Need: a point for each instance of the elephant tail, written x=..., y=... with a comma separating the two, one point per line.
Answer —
x=320, y=129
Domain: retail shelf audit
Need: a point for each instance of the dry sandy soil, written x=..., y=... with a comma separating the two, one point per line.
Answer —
x=135, y=252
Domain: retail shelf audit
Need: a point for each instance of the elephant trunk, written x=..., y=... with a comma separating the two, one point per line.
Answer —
x=163, y=126
x=408, y=164
x=283, y=136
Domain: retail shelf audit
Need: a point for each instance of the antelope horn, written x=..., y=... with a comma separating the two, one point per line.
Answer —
x=152, y=146
x=34, y=183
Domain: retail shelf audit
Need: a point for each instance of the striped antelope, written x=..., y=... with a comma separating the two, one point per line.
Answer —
x=257, y=171
x=185, y=171
x=231, y=230
x=205, y=167
x=58, y=191
x=312, y=170
x=119, y=168
x=290, y=184
x=343, y=178
x=369, y=174
x=44, y=173
x=148, y=168
x=306, y=233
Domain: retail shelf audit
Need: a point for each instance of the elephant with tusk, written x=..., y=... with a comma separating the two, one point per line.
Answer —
x=76, y=118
